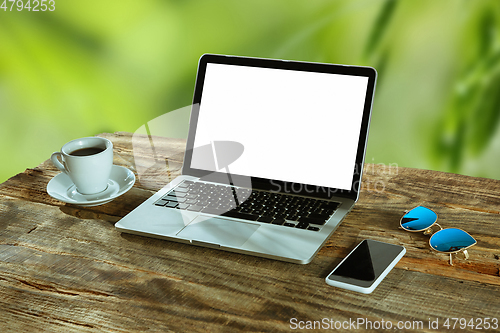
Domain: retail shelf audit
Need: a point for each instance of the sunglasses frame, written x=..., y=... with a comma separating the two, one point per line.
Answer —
x=428, y=231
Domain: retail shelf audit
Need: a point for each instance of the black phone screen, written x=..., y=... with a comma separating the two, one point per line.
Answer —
x=366, y=263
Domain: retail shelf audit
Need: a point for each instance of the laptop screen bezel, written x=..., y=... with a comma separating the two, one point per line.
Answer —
x=270, y=184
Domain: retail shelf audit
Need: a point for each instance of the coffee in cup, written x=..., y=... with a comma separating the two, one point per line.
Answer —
x=87, y=162
x=87, y=151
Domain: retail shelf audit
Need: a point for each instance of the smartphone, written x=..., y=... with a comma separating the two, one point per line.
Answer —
x=365, y=266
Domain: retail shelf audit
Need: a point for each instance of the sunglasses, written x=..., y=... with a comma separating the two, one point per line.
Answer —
x=449, y=240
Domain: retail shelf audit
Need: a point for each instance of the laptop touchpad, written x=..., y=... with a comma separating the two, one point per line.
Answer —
x=218, y=231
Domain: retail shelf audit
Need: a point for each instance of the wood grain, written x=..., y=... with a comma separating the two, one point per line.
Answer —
x=65, y=268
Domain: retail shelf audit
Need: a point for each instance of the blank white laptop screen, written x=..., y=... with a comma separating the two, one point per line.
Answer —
x=295, y=126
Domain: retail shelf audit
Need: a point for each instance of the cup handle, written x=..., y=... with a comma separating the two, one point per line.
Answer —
x=56, y=162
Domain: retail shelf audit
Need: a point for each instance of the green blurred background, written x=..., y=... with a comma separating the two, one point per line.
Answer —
x=94, y=66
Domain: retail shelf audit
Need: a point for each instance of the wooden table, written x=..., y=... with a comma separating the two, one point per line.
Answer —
x=65, y=268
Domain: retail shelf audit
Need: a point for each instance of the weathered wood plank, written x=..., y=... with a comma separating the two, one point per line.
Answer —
x=458, y=204
x=84, y=274
x=387, y=193
x=66, y=268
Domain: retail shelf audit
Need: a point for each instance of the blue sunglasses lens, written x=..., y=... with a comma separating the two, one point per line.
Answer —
x=419, y=218
x=451, y=240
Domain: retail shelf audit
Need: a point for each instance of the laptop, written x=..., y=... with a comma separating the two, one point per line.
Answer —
x=273, y=161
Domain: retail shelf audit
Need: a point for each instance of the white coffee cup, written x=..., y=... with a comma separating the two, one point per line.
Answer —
x=87, y=162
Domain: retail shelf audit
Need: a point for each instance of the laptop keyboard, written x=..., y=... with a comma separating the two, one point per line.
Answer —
x=261, y=206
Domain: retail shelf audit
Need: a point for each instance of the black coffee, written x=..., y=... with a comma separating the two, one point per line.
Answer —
x=87, y=151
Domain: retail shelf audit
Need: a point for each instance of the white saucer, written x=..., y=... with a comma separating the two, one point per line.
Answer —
x=62, y=188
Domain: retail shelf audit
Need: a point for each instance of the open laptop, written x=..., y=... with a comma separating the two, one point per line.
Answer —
x=273, y=162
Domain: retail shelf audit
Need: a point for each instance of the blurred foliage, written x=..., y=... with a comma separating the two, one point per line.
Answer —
x=470, y=120
x=103, y=66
